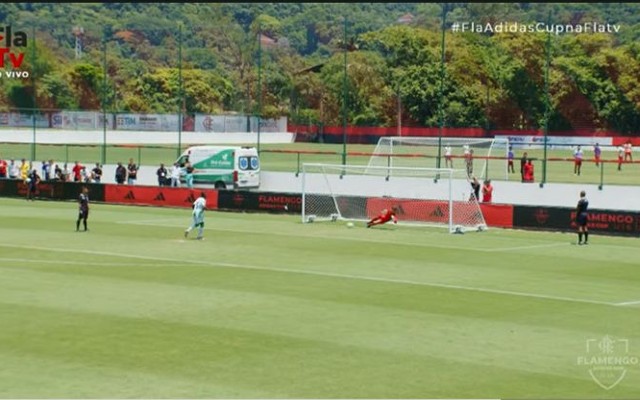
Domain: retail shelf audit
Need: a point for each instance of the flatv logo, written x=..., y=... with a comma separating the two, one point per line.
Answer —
x=13, y=44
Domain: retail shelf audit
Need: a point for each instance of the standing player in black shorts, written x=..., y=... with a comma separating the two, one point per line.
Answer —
x=83, y=209
x=582, y=218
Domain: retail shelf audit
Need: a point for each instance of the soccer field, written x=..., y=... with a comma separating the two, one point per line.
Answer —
x=268, y=307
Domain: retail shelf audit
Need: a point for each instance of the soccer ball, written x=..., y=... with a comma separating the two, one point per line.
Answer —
x=27, y=180
x=350, y=225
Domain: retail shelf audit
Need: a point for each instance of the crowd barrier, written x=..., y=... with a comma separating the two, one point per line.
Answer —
x=563, y=219
x=162, y=196
x=496, y=215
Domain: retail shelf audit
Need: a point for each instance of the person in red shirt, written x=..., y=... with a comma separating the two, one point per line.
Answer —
x=3, y=168
x=385, y=216
x=487, y=191
x=528, y=171
x=77, y=172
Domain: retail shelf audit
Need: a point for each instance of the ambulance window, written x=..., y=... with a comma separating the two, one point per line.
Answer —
x=255, y=164
x=243, y=163
x=183, y=160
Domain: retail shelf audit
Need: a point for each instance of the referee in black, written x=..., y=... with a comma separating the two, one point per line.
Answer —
x=83, y=208
x=582, y=218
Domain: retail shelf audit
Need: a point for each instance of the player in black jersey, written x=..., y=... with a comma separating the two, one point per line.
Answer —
x=83, y=208
x=582, y=218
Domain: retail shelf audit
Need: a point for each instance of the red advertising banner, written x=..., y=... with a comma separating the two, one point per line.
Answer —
x=500, y=215
x=437, y=211
x=158, y=196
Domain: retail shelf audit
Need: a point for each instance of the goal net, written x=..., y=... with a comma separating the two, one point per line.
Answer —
x=484, y=158
x=421, y=196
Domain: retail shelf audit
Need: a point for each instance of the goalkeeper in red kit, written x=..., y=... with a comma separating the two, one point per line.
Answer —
x=385, y=216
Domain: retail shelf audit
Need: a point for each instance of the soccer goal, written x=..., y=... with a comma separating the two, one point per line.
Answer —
x=484, y=158
x=332, y=192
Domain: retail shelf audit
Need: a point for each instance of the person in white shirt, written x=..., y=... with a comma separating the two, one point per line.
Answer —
x=175, y=175
x=627, y=151
x=448, y=160
x=620, y=157
x=198, y=216
x=577, y=160
x=14, y=170
x=66, y=174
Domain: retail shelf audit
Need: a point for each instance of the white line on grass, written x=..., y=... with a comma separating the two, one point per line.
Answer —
x=35, y=261
x=357, y=239
x=533, y=246
x=323, y=274
x=628, y=303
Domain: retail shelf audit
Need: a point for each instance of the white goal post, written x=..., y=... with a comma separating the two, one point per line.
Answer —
x=422, y=196
x=484, y=158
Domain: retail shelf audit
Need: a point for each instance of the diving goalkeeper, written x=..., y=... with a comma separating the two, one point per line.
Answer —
x=385, y=216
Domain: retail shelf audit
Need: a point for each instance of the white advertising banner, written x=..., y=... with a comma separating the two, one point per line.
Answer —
x=14, y=119
x=269, y=125
x=537, y=142
x=238, y=123
x=221, y=123
x=89, y=120
x=147, y=122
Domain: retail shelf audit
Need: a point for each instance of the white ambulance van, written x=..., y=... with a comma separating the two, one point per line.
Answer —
x=225, y=167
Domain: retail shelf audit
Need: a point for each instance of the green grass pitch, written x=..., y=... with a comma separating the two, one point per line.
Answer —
x=268, y=307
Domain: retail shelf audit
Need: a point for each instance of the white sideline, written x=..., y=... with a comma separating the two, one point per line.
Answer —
x=432, y=245
x=318, y=273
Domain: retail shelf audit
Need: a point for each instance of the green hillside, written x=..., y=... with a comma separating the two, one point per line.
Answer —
x=205, y=58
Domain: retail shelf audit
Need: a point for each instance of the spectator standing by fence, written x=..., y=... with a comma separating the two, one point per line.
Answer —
x=162, y=175
x=523, y=162
x=121, y=174
x=57, y=173
x=46, y=168
x=77, y=172
x=14, y=170
x=3, y=169
x=66, y=174
x=132, y=170
x=487, y=191
x=96, y=173
x=475, y=189
x=528, y=172
x=24, y=170
x=176, y=171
